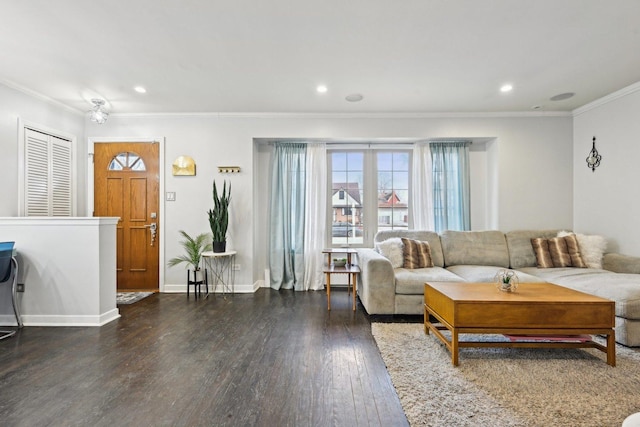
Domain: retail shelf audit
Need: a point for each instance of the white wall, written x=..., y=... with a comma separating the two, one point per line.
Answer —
x=68, y=267
x=16, y=105
x=606, y=201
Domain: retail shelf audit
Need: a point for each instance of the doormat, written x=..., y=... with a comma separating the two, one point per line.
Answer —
x=130, y=297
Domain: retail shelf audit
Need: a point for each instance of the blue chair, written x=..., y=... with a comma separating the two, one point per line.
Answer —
x=9, y=275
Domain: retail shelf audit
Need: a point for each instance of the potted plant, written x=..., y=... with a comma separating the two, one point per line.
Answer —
x=219, y=217
x=507, y=280
x=193, y=249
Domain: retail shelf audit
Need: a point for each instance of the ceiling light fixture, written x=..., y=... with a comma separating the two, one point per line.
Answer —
x=354, y=97
x=98, y=114
x=321, y=89
x=506, y=88
x=140, y=89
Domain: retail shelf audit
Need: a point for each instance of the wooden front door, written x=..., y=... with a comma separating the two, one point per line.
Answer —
x=126, y=185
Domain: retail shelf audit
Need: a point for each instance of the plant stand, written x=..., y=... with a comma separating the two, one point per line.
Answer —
x=197, y=283
x=221, y=266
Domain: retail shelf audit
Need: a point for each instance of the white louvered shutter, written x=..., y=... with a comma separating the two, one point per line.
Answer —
x=48, y=175
x=60, y=177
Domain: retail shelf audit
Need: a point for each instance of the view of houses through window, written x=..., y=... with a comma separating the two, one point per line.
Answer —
x=368, y=184
x=393, y=190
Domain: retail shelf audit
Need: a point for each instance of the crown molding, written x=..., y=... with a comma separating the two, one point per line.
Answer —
x=290, y=115
x=40, y=96
x=310, y=115
x=607, y=99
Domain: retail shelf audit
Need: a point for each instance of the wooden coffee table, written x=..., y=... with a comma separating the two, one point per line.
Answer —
x=540, y=314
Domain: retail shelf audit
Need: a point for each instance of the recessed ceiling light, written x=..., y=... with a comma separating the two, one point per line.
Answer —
x=321, y=89
x=562, y=96
x=140, y=89
x=506, y=88
x=354, y=97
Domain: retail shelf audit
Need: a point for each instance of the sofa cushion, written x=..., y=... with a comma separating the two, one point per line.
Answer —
x=620, y=263
x=487, y=273
x=573, y=249
x=542, y=252
x=392, y=250
x=592, y=248
x=416, y=254
x=430, y=237
x=520, y=250
x=412, y=282
x=624, y=289
x=474, y=248
x=557, y=252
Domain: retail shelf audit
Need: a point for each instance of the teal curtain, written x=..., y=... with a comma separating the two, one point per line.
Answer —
x=287, y=214
x=451, y=197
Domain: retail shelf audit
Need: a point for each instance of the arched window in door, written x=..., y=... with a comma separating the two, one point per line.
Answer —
x=127, y=161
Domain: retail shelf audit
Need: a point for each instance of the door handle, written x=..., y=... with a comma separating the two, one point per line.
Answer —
x=153, y=228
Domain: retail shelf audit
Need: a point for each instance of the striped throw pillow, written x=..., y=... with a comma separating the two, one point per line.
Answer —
x=573, y=248
x=557, y=252
x=417, y=254
x=541, y=249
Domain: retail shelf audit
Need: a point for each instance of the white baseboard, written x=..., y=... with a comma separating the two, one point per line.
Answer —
x=62, y=320
x=170, y=288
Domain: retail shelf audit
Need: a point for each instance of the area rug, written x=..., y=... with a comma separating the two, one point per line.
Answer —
x=130, y=297
x=507, y=386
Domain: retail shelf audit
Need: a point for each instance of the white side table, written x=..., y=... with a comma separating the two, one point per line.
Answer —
x=220, y=264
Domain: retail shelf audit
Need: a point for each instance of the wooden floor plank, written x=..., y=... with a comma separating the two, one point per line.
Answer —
x=263, y=359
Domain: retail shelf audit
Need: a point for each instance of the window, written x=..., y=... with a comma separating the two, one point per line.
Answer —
x=393, y=190
x=47, y=186
x=367, y=183
x=127, y=161
x=347, y=196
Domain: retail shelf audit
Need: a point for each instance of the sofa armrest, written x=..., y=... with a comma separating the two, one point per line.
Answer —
x=619, y=263
x=377, y=284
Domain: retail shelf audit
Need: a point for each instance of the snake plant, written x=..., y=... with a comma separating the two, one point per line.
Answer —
x=219, y=215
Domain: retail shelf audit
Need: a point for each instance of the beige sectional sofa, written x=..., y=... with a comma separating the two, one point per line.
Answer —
x=476, y=256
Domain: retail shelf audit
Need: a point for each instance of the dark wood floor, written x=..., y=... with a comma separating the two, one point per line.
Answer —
x=267, y=359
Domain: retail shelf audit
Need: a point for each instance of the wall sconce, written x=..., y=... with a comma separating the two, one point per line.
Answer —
x=183, y=166
x=98, y=113
x=228, y=169
x=593, y=160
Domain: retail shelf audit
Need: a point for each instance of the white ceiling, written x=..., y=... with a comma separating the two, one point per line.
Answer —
x=403, y=56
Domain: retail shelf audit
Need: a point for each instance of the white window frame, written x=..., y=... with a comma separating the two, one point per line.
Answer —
x=23, y=126
x=369, y=184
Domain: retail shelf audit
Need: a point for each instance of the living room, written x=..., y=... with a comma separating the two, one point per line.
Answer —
x=549, y=184
x=528, y=166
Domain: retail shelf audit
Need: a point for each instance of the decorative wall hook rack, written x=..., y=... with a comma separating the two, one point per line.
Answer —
x=593, y=159
x=229, y=169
